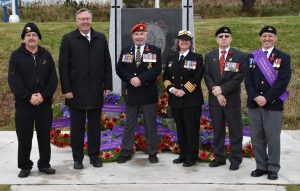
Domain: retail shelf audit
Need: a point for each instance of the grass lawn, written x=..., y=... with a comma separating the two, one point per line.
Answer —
x=4, y=187
x=245, y=36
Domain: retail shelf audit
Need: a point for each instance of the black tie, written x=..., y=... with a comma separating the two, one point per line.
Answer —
x=266, y=52
x=87, y=37
x=181, y=58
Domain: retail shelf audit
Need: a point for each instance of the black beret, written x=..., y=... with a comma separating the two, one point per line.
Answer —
x=269, y=29
x=31, y=27
x=223, y=29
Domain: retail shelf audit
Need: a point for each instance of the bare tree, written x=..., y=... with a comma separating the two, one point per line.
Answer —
x=248, y=5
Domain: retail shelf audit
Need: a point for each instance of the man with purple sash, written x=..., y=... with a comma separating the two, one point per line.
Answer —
x=266, y=79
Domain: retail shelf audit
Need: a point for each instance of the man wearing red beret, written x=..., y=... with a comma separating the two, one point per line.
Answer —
x=138, y=67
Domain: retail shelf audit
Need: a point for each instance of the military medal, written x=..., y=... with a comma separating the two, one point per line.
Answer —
x=232, y=66
x=127, y=58
x=149, y=57
x=189, y=64
x=149, y=65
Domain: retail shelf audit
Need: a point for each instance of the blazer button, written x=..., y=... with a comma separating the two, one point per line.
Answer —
x=261, y=93
x=181, y=84
x=172, y=77
x=262, y=82
x=134, y=74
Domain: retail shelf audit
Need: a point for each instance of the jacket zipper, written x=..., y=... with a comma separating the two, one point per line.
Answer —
x=36, y=72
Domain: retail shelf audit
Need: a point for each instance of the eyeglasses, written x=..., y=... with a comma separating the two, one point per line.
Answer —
x=85, y=19
x=226, y=36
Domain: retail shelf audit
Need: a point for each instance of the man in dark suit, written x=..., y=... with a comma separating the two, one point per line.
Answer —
x=85, y=74
x=223, y=76
x=138, y=67
x=265, y=101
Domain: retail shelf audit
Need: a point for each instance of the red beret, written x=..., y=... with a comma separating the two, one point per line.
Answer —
x=139, y=27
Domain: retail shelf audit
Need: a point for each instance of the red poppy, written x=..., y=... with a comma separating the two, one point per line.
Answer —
x=138, y=136
x=203, y=155
x=249, y=147
x=175, y=149
x=117, y=149
x=85, y=146
x=230, y=52
x=114, y=119
x=122, y=115
x=57, y=131
x=164, y=96
x=109, y=125
x=252, y=153
x=209, y=127
x=163, y=103
x=161, y=146
x=61, y=144
x=171, y=143
x=147, y=49
x=107, y=155
x=52, y=135
x=163, y=89
x=167, y=138
x=66, y=136
x=228, y=148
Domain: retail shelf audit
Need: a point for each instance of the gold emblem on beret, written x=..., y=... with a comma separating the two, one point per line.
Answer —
x=141, y=28
x=28, y=29
x=270, y=29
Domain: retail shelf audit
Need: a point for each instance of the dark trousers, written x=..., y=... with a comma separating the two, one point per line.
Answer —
x=79, y=117
x=26, y=119
x=233, y=117
x=149, y=114
x=188, y=125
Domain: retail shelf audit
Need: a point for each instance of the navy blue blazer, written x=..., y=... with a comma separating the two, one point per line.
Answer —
x=256, y=84
x=147, y=72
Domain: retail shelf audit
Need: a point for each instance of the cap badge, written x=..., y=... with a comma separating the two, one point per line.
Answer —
x=28, y=29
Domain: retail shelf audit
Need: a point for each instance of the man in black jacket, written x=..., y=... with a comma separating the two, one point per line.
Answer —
x=32, y=79
x=223, y=76
x=265, y=101
x=138, y=66
x=86, y=76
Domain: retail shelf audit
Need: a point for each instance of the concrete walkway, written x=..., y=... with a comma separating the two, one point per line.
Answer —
x=139, y=174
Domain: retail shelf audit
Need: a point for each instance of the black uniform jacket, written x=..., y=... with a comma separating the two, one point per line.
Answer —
x=147, y=72
x=28, y=74
x=185, y=75
x=85, y=69
x=256, y=84
x=230, y=81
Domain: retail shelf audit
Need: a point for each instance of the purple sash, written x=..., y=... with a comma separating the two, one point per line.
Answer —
x=268, y=71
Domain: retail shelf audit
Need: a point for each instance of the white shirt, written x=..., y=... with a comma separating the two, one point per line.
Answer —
x=269, y=51
x=220, y=54
x=87, y=36
x=184, y=54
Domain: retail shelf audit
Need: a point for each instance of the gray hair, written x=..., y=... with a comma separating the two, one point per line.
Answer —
x=83, y=10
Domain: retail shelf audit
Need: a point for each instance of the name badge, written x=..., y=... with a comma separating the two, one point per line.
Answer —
x=232, y=67
x=149, y=57
x=127, y=58
x=189, y=64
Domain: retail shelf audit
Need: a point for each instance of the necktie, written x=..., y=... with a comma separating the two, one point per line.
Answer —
x=87, y=37
x=266, y=53
x=222, y=61
x=181, y=58
x=138, y=57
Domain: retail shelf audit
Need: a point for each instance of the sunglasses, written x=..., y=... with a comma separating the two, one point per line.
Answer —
x=226, y=36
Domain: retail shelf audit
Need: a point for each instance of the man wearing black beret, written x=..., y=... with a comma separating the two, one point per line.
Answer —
x=32, y=79
x=223, y=76
x=268, y=72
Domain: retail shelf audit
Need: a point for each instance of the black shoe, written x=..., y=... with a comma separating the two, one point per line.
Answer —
x=215, y=163
x=24, y=173
x=272, y=175
x=153, y=158
x=188, y=163
x=178, y=160
x=234, y=167
x=78, y=165
x=48, y=170
x=96, y=163
x=258, y=173
x=123, y=159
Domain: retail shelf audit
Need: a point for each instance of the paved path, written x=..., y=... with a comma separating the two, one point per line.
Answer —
x=139, y=174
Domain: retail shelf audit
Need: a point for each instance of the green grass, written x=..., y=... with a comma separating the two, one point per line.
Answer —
x=245, y=36
x=293, y=187
x=4, y=187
